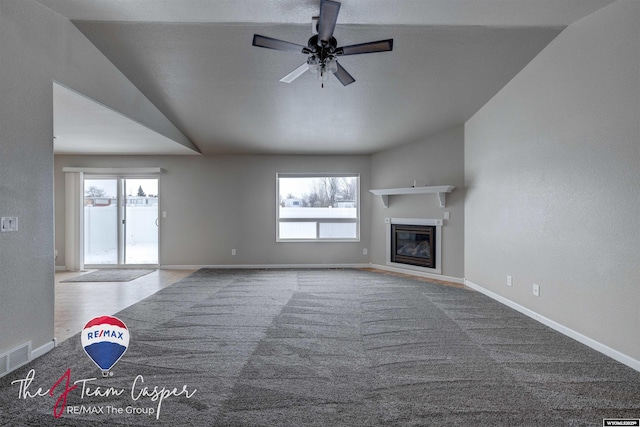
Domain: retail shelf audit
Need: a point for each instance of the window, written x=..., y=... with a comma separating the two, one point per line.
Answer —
x=318, y=207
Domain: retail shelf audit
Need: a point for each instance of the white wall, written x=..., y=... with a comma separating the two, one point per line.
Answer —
x=552, y=167
x=38, y=47
x=438, y=160
x=218, y=203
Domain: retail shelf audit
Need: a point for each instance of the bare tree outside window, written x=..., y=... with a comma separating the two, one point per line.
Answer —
x=318, y=207
x=94, y=191
x=329, y=191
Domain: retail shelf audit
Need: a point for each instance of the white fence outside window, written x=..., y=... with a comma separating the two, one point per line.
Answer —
x=301, y=219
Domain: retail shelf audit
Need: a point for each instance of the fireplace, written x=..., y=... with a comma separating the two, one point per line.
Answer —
x=413, y=245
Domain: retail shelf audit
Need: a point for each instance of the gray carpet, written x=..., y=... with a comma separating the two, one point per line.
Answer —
x=333, y=348
x=109, y=275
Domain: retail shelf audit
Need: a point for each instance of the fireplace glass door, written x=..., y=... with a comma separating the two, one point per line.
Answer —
x=413, y=245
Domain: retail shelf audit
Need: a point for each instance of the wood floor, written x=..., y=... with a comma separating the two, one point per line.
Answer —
x=77, y=303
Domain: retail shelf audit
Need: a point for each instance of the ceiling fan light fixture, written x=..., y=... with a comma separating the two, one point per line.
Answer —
x=314, y=64
x=332, y=65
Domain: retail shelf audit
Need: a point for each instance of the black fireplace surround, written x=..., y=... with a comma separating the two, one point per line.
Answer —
x=413, y=245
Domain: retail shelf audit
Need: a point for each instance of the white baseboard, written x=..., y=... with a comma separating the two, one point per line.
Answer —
x=262, y=266
x=43, y=349
x=61, y=268
x=419, y=273
x=590, y=342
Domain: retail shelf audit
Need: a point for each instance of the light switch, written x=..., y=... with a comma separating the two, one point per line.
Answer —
x=9, y=223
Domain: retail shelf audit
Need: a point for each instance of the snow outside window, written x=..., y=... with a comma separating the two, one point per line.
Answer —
x=312, y=207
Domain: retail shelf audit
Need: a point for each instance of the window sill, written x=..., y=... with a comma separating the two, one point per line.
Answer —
x=317, y=240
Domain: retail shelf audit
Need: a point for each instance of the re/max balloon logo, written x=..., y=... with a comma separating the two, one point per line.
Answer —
x=105, y=339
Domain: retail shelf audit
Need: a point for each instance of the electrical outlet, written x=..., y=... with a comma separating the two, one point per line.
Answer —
x=233, y=251
x=447, y=215
x=536, y=290
x=365, y=251
x=509, y=281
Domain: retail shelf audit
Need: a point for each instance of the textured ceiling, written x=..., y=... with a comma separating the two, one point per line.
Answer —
x=377, y=12
x=224, y=94
x=82, y=126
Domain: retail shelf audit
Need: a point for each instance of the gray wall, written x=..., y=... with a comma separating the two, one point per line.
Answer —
x=203, y=197
x=552, y=168
x=26, y=189
x=438, y=160
x=38, y=47
x=218, y=203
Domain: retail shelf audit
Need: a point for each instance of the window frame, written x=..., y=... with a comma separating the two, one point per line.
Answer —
x=318, y=221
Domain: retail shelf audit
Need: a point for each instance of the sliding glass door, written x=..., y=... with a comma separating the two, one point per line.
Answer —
x=120, y=221
x=141, y=221
x=101, y=216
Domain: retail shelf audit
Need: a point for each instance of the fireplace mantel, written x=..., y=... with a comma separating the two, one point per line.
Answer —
x=440, y=190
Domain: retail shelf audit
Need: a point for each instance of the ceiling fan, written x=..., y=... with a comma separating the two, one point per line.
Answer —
x=322, y=48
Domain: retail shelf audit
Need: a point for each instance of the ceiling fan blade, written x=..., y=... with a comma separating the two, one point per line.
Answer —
x=295, y=73
x=370, y=47
x=271, y=43
x=327, y=20
x=342, y=75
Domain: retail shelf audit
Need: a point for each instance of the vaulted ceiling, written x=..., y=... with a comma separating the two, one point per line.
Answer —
x=194, y=60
